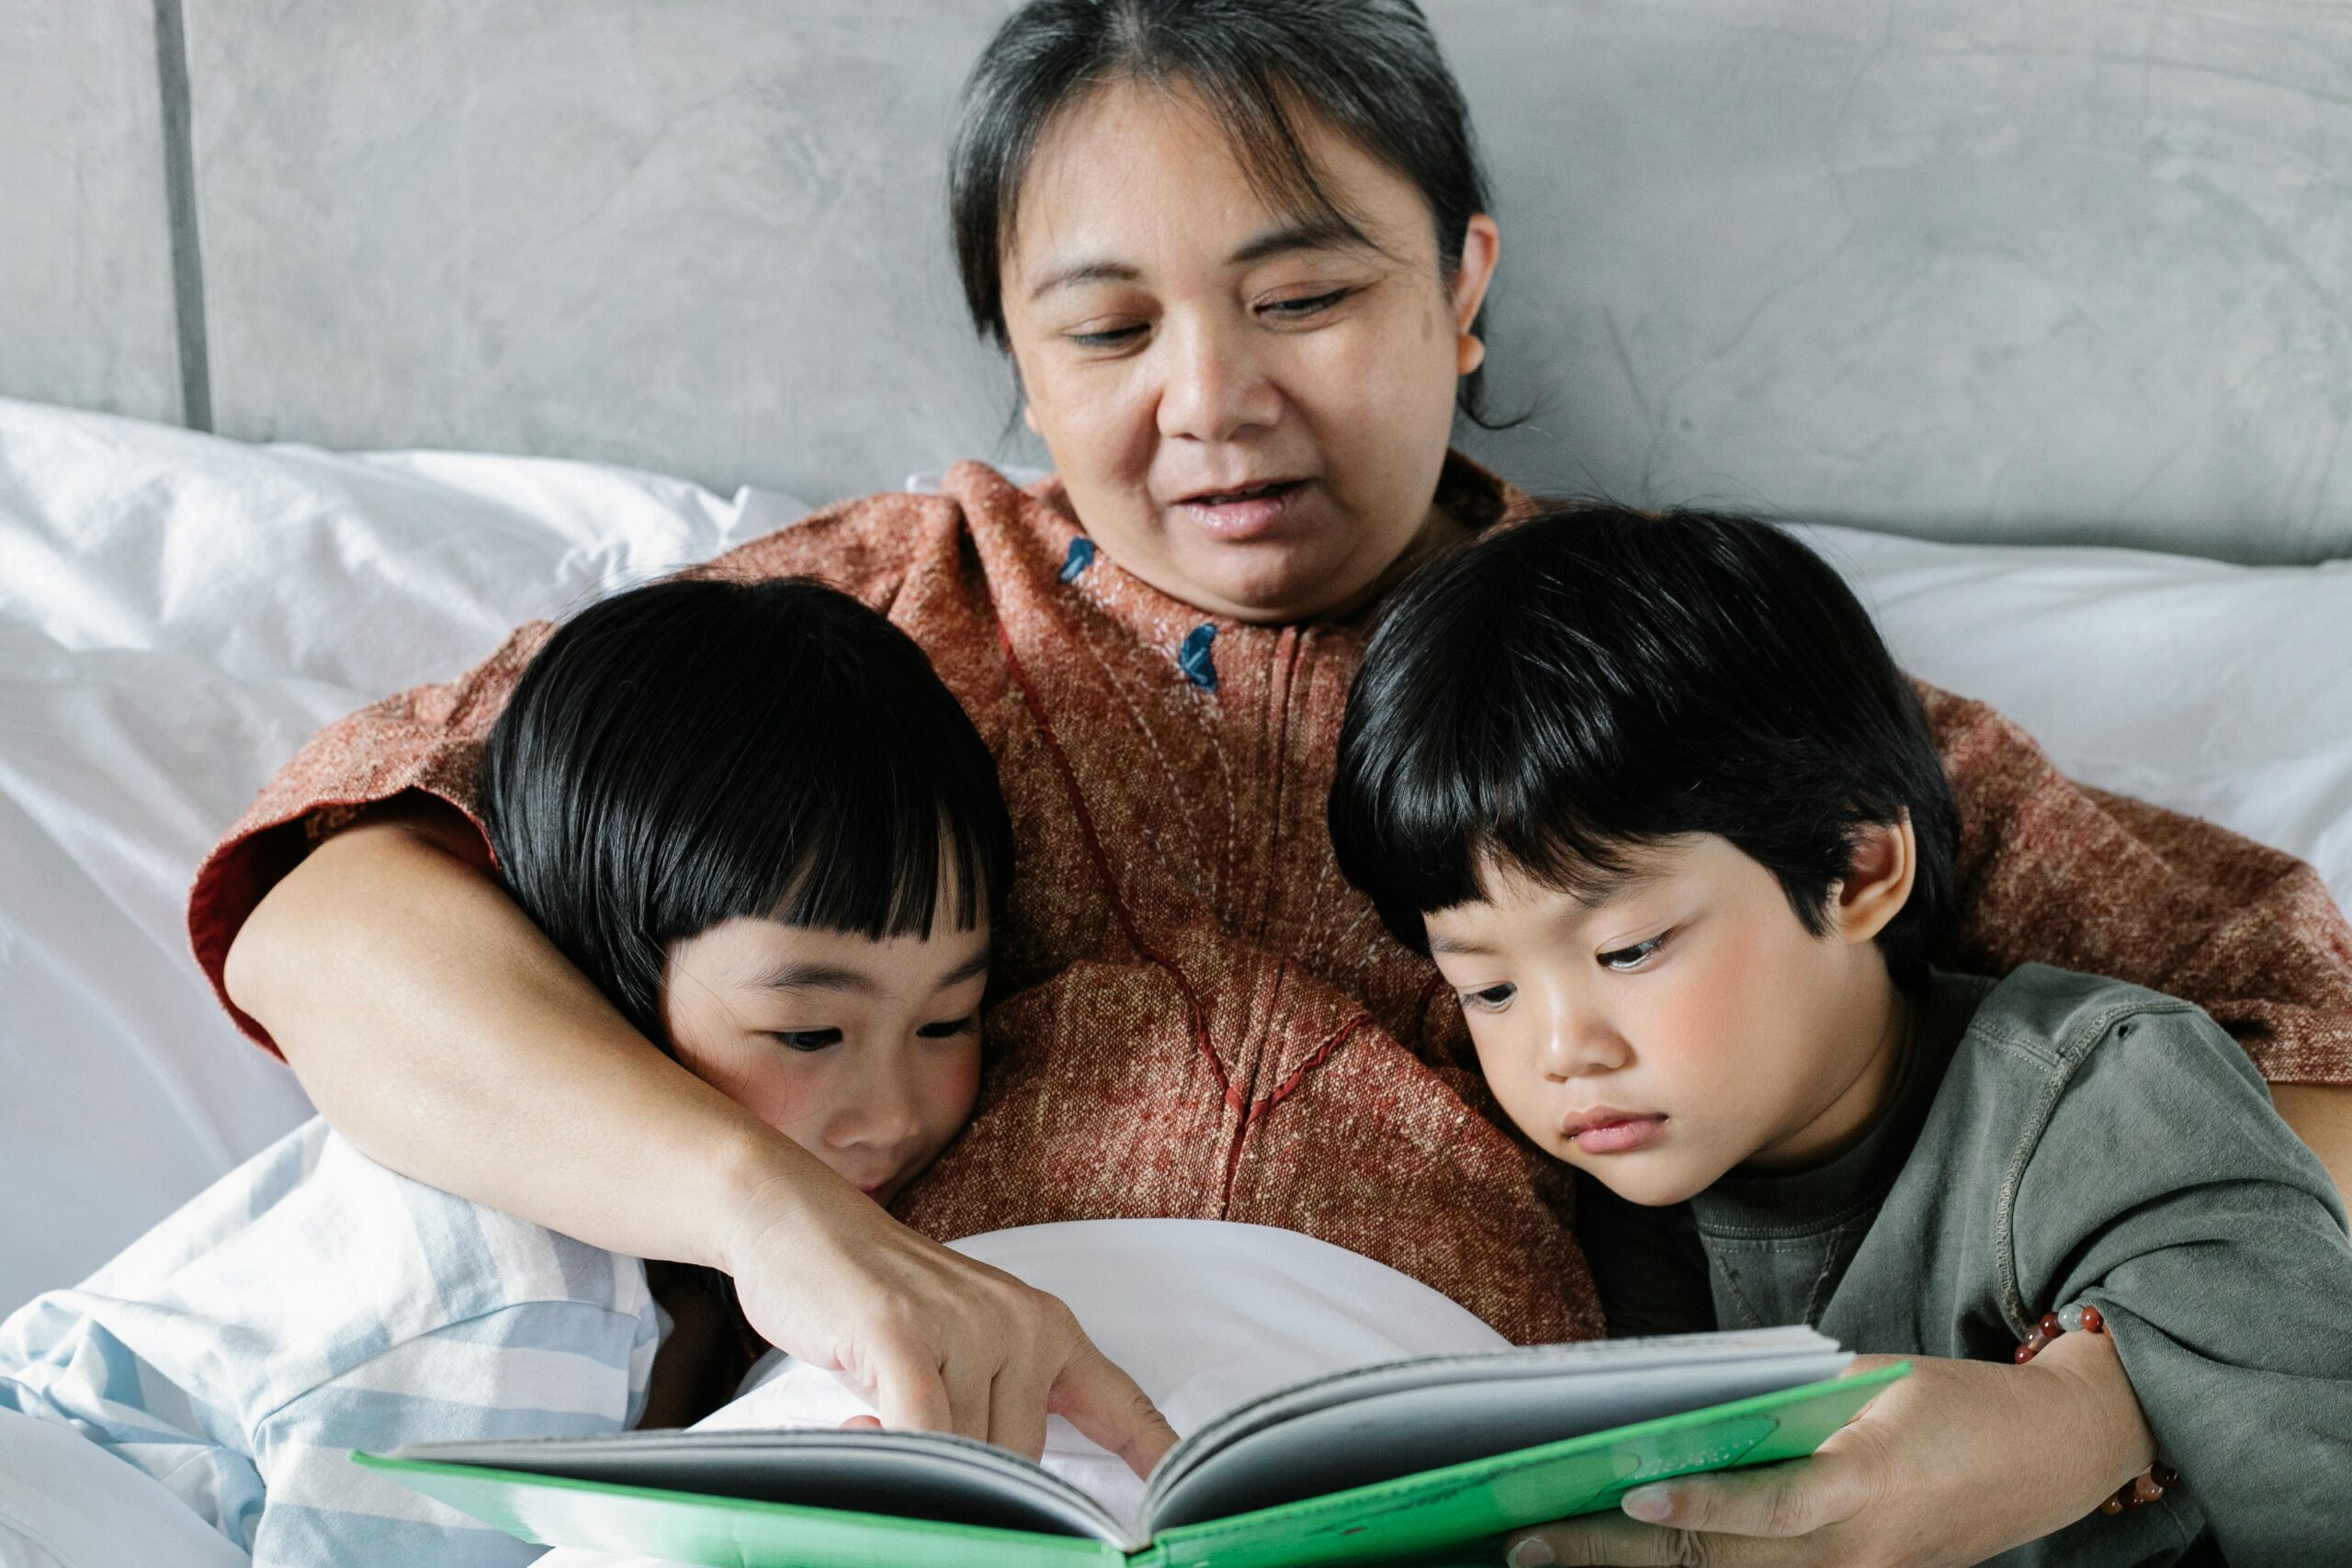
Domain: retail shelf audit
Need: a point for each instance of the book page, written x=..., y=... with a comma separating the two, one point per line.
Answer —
x=1356, y=1428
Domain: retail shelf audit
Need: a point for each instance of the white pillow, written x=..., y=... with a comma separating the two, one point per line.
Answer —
x=177, y=613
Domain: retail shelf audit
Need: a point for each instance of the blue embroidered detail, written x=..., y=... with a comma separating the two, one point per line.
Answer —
x=1080, y=556
x=1194, y=657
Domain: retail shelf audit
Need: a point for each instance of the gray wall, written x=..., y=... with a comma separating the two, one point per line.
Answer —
x=2050, y=269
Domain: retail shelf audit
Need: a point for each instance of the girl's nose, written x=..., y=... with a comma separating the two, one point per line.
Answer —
x=883, y=1110
x=1215, y=389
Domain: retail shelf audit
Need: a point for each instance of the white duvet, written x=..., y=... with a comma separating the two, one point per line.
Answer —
x=178, y=611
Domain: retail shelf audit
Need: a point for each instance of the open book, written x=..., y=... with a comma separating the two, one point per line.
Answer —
x=1429, y=1456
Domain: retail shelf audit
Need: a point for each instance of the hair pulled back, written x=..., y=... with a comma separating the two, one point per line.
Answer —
x=1370, y=68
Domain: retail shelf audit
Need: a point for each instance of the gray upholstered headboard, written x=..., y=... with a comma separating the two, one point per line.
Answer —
x=2055, y=269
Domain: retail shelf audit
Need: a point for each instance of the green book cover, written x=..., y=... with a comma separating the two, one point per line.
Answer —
x=1426, y=1461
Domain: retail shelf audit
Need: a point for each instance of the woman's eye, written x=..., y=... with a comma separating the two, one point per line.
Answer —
x=1624, y=960
x=1493, y=998
x=949, y=1029
x=1109, y=337
x=1294, y=310
x=806, y=1039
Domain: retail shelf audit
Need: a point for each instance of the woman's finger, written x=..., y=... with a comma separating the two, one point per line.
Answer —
x=1110, y=1406
x=1017, y=1410
x=969, y=1400
x=910, y=1392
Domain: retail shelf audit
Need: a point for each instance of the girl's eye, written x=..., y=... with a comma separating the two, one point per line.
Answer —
x=1624, y=960
x=1294, y=310
x=1494, y=998
x=806, y=1039
x=949, y=1029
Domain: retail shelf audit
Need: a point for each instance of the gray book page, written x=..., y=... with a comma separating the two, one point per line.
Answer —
x=1380, y=1423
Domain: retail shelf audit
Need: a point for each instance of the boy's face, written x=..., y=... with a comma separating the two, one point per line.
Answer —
x=866, y=1053
x=1685, y=1022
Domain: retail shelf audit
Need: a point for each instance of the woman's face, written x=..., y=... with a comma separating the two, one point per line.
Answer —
x=1249, y=411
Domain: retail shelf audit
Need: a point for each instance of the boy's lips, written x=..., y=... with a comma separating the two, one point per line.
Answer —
x=1606, y=1130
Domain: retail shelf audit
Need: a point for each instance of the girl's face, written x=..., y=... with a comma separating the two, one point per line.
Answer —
x=1249, y=411
x=866, y=1053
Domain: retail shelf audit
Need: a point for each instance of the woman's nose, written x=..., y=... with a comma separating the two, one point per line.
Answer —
x=1215, y=389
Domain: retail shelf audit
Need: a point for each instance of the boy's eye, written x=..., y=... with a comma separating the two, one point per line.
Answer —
x=1493, y=998
x=1109, y=337
x=1625, y=959
x=948, y=1029
x=806, y=1039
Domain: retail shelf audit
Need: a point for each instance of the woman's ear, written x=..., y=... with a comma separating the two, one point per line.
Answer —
x=1879, y=875
x=1481, y=248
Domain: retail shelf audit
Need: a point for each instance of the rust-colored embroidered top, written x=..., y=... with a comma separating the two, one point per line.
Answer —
x=1193, y=1014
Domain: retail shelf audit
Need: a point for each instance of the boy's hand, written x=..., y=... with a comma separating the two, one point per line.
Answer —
x=932, y=1340
x=1926, y=1476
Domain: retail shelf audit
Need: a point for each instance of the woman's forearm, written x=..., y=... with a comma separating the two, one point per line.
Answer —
x=438, y=1030
x=2321, y=1115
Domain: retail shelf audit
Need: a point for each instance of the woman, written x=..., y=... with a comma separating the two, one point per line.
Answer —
x=1236, y=251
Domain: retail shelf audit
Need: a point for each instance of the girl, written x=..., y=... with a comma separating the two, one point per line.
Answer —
x=754, y=819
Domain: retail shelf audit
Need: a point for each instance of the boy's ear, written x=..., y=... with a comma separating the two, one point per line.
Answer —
x=1877, y=883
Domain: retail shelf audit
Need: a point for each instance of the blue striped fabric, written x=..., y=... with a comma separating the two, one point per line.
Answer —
x=311, y=1302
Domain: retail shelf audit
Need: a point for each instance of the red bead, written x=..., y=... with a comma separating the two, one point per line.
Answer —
x=2024, y=1354
x=2049, y=1327
x=2166, y=1476
x=2145, y=1489
x=2092, y=1322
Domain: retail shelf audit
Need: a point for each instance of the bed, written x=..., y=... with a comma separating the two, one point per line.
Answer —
x=178, y=611
x=495, y=308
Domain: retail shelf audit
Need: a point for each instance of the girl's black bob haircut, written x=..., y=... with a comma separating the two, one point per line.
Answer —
x=1561, y=693
x=1371, y=68
x=699, y=750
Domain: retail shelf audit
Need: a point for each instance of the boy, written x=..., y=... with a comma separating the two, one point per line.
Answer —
x=755, y=816
x=1655, y=798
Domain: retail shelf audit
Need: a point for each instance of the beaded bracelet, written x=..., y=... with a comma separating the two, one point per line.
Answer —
x=2140, y=1490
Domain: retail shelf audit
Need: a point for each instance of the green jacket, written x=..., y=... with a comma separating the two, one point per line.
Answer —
x=2057, y=1138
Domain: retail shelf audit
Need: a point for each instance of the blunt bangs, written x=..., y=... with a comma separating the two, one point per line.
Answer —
x=1563, y=695
x=700, y=751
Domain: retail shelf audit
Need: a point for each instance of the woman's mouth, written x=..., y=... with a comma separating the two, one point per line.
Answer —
x=1612, y=1132
x=1244, y=512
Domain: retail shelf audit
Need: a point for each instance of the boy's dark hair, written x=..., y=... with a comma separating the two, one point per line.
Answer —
x=1594, y=680
x=699, y=750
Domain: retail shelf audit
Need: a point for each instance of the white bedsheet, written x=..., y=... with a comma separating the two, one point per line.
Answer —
x=178, y=611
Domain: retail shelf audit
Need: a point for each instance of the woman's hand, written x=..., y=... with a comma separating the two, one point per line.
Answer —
x=1956, y=1463
x=932, y=1340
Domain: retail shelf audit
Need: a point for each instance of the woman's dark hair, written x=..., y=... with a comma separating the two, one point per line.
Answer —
x=698, y=751
x=1370, y=67
x=1592, y=681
